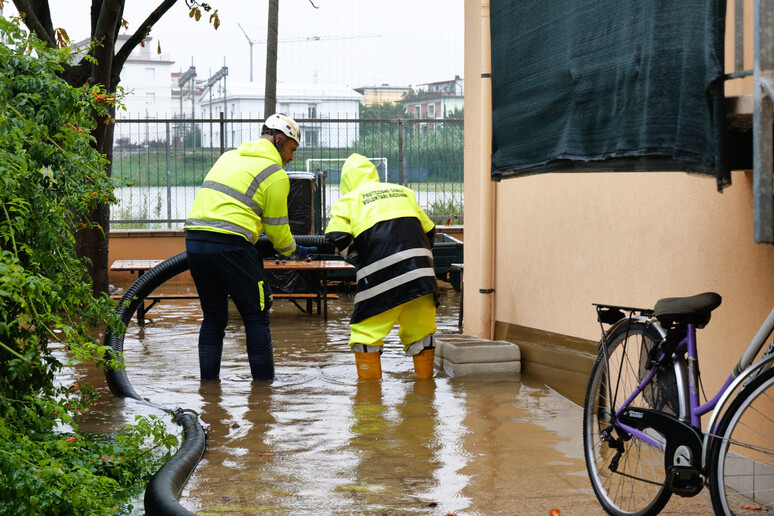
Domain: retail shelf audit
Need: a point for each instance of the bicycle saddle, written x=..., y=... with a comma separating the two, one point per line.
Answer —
x=686, y=310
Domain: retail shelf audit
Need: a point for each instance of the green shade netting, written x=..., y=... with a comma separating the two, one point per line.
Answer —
x=607, y=85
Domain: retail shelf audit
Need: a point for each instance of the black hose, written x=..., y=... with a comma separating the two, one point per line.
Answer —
x=319, y=241
x=164, y=487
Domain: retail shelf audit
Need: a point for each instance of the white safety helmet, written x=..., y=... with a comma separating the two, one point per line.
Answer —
x=284, y=123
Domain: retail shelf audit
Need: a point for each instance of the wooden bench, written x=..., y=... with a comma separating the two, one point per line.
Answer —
x=309, y=296
x=292, y=297
x=159, y=297
x=301, y=295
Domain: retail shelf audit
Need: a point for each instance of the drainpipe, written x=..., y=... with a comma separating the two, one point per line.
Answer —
x=486, y=230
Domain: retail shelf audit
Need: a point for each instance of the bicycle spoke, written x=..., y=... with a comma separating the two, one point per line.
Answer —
x=627, y=473
x=743, y=451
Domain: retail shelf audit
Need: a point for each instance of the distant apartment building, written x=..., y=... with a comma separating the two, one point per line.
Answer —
x=145, y=78
x=435, y=99
x=155, y=92
x=310, y=105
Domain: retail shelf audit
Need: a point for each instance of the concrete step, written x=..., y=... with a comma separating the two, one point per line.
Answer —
x=442, y=340
x=481, y=351
x=469, y=355
x=487, y=369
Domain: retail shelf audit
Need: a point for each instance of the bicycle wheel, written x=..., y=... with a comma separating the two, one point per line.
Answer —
x=742, y=455
x=627, y=474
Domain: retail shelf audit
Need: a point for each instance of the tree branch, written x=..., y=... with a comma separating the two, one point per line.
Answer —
x=123, y=54
x=104, y=40
x=37, y=18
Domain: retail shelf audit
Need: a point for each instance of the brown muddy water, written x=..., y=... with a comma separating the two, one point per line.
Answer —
x=316, y=441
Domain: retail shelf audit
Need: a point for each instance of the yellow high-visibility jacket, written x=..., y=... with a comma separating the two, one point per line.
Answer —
x=246, y=193
x=391, y=235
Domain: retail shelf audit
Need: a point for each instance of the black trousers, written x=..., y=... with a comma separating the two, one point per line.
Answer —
x=221, y=270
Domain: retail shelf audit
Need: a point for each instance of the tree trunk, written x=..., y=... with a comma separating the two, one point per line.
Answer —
x=93, y=242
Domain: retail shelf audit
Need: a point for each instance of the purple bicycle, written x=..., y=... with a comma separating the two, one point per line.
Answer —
x=642, y=435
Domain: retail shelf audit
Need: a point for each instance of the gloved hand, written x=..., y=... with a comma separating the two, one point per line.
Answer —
x=302, y=253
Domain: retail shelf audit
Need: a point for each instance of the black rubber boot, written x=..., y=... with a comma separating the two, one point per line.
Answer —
x=209, y=367
x=262, y=369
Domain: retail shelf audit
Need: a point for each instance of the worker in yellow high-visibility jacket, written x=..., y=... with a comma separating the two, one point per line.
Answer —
x=392, y=237
x=243, y=195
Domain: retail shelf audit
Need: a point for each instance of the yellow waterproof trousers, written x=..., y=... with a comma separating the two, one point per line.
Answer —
x=416, y=319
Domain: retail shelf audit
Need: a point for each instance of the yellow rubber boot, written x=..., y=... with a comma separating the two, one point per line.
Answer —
x=424, y=363
x=369, y=366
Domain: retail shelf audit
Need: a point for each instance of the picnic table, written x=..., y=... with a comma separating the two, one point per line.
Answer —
x=315, y=271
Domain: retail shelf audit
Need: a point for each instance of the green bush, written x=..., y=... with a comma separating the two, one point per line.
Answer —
x=450, y=211
x=52, y=178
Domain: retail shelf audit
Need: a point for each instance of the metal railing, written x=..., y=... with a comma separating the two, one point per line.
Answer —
x=159, y=164
x=763, y=118
x=762, y=106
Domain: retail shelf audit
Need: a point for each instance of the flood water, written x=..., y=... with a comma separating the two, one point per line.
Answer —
x=317, y=441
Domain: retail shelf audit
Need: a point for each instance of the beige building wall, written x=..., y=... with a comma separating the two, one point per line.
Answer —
x=382, y=95
x=563, y=241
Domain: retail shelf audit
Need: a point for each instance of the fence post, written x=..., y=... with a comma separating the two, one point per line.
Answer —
x=222, y=132
x=169, y=177
x=400, y=150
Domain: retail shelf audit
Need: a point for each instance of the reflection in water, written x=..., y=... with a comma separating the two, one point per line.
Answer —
x=318, y=441
x=395, y=446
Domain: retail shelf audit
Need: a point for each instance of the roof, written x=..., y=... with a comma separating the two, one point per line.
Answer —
x=383, y=87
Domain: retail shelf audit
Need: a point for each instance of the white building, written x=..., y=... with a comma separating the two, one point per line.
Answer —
x=314, y=102
x=153, y=92
x=145, y=78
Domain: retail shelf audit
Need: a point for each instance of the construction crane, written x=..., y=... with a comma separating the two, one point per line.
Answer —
x=298, y=40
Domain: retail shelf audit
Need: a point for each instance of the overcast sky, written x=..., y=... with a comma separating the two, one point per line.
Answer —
x=362, y=42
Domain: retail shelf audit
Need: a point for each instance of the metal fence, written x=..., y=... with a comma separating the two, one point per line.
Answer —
x=160, y=164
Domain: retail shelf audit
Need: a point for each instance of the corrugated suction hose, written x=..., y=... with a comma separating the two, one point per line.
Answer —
x=164, y=488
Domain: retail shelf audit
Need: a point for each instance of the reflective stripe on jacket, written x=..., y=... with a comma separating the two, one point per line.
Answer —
x=392, y=237
x=245, y=193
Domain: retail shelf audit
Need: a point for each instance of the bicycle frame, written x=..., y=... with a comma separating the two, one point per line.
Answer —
x=743, y=371
x=690, y=409
x=686, y=376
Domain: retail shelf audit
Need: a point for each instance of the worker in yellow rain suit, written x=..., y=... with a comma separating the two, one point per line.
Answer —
x=244, y=194
x=392, y=237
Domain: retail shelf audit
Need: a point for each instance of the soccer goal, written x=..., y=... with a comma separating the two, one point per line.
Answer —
x=332, y=166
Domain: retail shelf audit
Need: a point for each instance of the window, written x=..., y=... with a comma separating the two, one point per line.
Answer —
x=150, y=97
x=310, y=138
x=150, y=73
x=312, y=111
